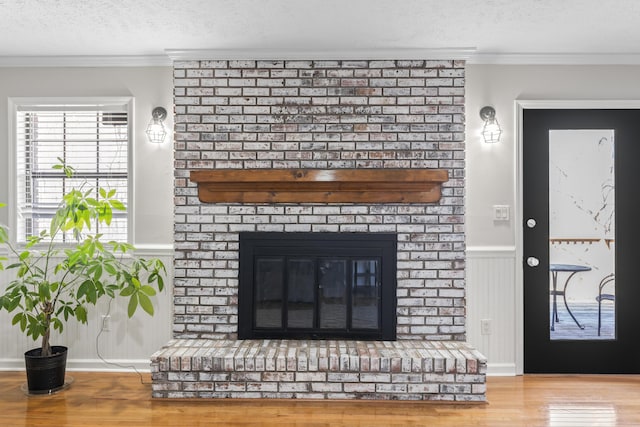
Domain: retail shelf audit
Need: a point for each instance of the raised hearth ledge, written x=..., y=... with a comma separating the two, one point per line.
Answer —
x=319, y=185
x=451, y=371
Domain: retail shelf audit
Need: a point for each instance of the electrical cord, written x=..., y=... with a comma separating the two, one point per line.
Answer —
x=102, y=329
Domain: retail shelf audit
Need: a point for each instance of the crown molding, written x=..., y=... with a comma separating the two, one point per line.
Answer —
x=86, y=61
x=576, y=104
x=470, y=55
x=315, y=54
x=555, y=58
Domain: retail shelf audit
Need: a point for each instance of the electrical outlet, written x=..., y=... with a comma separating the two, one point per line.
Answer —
x=485, y=326
x=106, y=322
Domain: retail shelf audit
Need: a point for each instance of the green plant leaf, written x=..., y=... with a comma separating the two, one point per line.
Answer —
x=148, y=290
x=145, y=303
x=44, y=291
x=67, y=311
x=58, y=325
x=81, y=313
x=29, y=303
x=92, y=294
x=17, y=318
x=4, y=235
x=124, y=247
x=22, y=270
x=108, y=214
x=129, y=290
x=68, y=170
x=87, y=290
x=11, y=304
x=34, y=240
x=117, y=205
x=110, y=269
x=97, y=273
x=20, y=318
x=133, y=305
x=34, y=327
x=82, y=290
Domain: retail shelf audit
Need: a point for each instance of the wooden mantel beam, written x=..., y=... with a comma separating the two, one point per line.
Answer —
x=319, y=185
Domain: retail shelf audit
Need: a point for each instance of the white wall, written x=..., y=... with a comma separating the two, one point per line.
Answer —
x=492, y=266
x=491, y=272
x=129, y=340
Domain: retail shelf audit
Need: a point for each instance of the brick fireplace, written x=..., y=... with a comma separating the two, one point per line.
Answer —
x=320, y=115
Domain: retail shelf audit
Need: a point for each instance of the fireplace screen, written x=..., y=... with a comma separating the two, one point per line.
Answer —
x=317, y=285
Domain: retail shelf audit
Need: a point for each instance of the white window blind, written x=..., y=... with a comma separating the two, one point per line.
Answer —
x=94, y=140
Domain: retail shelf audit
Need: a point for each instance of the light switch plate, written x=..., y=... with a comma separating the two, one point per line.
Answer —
x=501, y=212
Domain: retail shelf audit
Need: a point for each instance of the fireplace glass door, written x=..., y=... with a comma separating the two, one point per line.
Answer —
x=316, y=289
x=347, y=294
x=300, y=293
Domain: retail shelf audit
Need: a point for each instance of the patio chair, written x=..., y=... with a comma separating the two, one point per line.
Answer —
x=604, y=296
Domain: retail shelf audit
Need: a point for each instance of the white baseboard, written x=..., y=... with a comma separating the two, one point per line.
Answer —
x=501, y=369
x=11, y=364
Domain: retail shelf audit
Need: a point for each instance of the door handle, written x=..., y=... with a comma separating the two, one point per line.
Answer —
x=533, y=261
x=531, y=223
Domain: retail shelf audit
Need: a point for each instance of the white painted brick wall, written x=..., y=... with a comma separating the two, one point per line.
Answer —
x=320, y=114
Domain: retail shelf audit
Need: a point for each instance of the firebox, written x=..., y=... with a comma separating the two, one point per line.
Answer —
x=317, y=286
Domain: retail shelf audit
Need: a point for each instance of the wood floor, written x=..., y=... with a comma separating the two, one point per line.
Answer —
x=117, y=399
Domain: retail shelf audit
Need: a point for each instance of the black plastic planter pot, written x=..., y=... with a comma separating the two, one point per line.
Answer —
x=45, y=374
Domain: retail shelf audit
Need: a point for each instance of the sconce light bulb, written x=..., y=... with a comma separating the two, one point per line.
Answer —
x=156, y=131
x=491, y=131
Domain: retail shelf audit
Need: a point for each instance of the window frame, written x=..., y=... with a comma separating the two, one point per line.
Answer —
x=21, y=103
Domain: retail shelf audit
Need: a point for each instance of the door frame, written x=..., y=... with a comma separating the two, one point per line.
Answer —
x=519, y=106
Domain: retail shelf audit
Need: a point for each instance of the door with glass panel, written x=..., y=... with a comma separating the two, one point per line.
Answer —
x=581, y=234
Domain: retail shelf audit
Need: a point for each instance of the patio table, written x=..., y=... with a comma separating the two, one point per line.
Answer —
x=566, y=268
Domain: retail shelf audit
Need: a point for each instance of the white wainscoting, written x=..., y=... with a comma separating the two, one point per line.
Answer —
x=491, y=295
x=491, y=290
x=129, y=342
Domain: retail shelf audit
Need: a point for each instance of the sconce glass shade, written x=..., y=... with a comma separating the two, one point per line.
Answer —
x=156, y=131
x=491, y=131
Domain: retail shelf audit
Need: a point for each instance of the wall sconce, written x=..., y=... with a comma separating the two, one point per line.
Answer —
x=491, y=130
x=155, y=130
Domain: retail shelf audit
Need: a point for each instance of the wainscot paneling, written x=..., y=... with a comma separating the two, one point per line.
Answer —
x=491, y=296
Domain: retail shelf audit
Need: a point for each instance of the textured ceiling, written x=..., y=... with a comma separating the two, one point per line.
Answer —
x=142, y=27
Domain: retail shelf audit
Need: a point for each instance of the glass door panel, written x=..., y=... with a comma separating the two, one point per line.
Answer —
x=365, y=297
x=301, y=293
x=268, y=297
x=332, y=278
x=582, y=234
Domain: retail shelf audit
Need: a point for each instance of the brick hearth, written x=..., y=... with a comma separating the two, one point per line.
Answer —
x=319, y=369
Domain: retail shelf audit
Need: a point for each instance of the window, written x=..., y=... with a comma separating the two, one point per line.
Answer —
x=94, y=138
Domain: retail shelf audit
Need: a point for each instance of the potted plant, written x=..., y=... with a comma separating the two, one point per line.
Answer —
x=55, y=281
